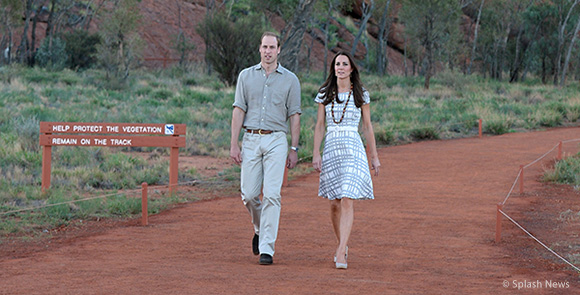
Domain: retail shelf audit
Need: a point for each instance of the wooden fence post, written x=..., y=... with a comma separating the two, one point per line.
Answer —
x=144, y=212
x=521, y=179
x=498, y=223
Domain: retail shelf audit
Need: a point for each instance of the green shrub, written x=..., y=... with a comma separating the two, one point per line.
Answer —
x=550, y=118
x=384, y=136
x=573, y=113
x=81, y=49
x=497, y=125
x=143, y=91
x=565, y=171
x=233, y=44
x=123, y=206
x=162, y=94
x=425, y=133
x=52, y=54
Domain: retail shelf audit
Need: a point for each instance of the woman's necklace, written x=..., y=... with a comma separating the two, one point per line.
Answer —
x=343, y=110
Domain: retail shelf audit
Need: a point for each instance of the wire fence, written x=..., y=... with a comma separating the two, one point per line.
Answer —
x=125, y=193
x=519, y=179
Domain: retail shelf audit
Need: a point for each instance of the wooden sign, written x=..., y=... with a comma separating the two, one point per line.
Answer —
x=111, y=135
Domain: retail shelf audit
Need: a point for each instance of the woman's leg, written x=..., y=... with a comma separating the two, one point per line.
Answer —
x=346, y=220
x=335, y=218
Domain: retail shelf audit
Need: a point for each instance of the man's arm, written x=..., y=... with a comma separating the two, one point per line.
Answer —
x=295, y=133
x=238, y=116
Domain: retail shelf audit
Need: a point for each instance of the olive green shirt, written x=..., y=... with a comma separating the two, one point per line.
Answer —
x=268, y=101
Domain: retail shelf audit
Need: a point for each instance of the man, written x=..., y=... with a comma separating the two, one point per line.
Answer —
x=267, y=95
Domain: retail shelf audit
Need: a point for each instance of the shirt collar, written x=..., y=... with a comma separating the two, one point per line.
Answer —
x=279, y=69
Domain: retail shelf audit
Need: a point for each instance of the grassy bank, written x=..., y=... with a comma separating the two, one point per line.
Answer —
x=402, y=111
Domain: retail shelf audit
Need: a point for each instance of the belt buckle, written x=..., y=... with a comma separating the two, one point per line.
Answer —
x=260, y=131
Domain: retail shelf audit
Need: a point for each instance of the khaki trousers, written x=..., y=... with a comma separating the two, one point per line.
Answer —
x=263, y=164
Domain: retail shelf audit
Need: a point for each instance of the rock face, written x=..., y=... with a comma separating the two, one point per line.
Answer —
x=162, y=25
x=162, y=19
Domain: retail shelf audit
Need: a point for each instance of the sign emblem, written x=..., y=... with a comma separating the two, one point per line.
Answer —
x=169, y=129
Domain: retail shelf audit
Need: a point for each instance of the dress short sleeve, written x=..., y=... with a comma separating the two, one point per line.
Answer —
x=366, y=97
x=319, y=98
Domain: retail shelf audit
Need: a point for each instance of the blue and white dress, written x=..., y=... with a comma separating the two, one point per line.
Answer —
x=345, y=169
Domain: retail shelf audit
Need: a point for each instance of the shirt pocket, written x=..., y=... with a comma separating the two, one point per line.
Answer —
x=278, y=98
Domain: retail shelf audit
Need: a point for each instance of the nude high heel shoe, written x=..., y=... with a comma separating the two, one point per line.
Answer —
x=345, y=254
x=341, y=265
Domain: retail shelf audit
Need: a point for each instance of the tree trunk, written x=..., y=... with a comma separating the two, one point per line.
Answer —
x=429, y=50
x=209, y=6
x=544, y=78
x=531, y=42
x=326, y=37
x=515, y=70
x=569, y=53
x=292, y=40
x=561, y=40
x=32, y=49
x=367, y=13
x=384, y=28
x=405, y=56
x=475, y=38
x=50, y=22
x=24, y=46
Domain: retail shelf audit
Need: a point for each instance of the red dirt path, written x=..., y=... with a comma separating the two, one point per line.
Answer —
x=430, y=230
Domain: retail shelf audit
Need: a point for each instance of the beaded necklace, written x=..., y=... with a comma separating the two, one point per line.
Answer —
x=343, y=110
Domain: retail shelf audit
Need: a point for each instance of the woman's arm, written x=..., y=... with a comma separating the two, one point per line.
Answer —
x=318, y=134
x=370, y=137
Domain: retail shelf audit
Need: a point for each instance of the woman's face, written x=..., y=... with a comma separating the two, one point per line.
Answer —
x=342, y=67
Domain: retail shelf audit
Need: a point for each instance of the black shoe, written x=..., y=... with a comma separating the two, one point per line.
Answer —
x=255, y=244
x=266, y=259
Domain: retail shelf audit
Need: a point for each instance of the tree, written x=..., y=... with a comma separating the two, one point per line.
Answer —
x=293, y=34
x=121, y=45
x=541, y=23
x=384, y=28
x=566, y=8
x=231, y=46
x=474, y=46
x=182, y=44
x=367, y=13
x=10, y=11
x=81, y=49
x=569, y=51
x=499, y=19
x=430, y=22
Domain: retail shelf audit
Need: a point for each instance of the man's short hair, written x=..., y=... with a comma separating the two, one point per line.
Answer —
x=270, y=34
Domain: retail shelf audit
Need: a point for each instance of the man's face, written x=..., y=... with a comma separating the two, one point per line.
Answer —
x=269, y=50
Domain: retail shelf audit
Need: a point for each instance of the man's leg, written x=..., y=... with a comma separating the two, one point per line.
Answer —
x=274, y=164
x=251, y=178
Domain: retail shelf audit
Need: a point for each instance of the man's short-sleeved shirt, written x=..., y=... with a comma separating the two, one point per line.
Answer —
x=268, y=101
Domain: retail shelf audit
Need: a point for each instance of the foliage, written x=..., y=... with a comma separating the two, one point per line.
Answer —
x=52, y=54
x=184, y=47
x=121, y=45
x=81, y=48
x=435, y=24
x=233, y=46
x=401, y=112
x=566, y=171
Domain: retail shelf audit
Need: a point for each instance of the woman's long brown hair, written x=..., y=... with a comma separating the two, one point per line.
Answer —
x=329, y=89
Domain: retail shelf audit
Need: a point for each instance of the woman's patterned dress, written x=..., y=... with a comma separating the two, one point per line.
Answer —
x=345, y=168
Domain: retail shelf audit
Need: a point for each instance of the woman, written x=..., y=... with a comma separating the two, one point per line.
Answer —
x=343, y=167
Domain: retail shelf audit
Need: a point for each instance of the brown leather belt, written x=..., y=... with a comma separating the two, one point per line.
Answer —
x=259, y=131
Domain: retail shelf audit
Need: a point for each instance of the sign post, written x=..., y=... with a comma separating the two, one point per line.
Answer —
x=111, y=135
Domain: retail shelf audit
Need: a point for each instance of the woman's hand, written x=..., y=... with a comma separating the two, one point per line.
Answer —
x=375, y=164
x=317, y=162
